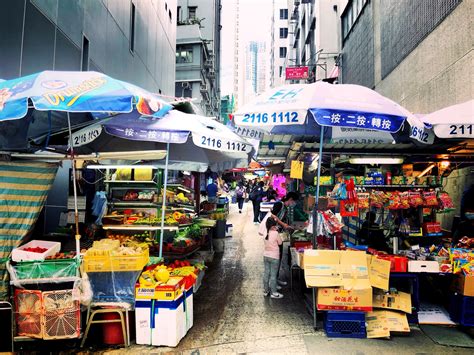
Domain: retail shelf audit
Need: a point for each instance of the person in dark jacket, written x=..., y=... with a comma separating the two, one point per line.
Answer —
x=256, y=196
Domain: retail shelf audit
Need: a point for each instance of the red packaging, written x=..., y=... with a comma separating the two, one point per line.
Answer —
x=398, y=263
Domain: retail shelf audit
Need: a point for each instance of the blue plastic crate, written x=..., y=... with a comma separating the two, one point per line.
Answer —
x=341, y=324
x=113, y=286
x=461, y=309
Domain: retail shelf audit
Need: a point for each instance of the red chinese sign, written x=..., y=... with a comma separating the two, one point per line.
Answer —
x=296, y=73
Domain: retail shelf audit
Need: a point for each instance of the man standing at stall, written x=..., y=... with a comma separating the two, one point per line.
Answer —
x=211, y=190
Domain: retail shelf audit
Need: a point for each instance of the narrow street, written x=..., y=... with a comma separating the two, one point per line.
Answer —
x=231, y=316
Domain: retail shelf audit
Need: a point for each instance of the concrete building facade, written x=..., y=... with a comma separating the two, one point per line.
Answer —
x=418, y=53
x=129, y=40
x=198, y=53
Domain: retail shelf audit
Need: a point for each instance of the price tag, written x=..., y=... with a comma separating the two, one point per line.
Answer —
x=222, y=144
x=86, y=135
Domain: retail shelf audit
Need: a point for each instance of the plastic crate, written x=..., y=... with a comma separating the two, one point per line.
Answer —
x=28, y=309
x=461, y=309
x=338, y=324
x=105, y=263
x=47, y=269
x=113, y=286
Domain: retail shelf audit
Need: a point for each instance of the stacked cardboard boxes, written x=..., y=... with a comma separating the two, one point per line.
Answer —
x=355, y=281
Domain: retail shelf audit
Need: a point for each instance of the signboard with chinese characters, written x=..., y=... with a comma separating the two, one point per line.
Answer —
x=296, y=73
x=149, y=135
x=361, y=120
x=343, y=135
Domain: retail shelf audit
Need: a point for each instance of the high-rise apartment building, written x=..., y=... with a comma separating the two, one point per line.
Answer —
x=279, y=42
x=198, y=42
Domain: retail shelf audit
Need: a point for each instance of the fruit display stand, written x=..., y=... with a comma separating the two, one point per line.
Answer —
x=164, y=302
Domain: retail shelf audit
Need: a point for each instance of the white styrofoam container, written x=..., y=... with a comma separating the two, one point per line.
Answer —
x=19, y=254
x=160, y=323
x=423, y=266
x=189, y=309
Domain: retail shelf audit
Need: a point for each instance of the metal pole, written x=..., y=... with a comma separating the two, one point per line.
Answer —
x=76, y=212
x=163, y=206
x=315, y=218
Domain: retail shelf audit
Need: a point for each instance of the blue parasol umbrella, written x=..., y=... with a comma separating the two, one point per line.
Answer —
x=75, y=92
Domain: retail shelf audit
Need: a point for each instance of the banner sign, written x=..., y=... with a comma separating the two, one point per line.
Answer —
x=343, y=135
x=296, y=171
x=249, y=133
x=454, y=130
x=296, y=73
x=365, y=120
x=221, y=144
x=147, y=135
x=423, y=135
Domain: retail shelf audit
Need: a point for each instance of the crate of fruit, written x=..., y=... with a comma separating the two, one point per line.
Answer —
x=35, y=250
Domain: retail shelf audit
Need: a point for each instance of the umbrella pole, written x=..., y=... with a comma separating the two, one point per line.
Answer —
x=315, y=220
x=76, y=212
x=165, y=184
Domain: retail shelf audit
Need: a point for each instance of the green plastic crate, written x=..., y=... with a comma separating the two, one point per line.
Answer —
x=47, y=269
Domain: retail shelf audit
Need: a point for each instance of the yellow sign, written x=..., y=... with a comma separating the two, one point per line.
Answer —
x=296, y=171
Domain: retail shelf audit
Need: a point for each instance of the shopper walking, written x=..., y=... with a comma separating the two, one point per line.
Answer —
x=256, y=196
x=240, y=195
x=271, y=259
x=211, y=190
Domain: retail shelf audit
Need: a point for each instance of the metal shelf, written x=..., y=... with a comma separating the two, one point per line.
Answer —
x=134, y=203
x=137, y=227
x=180, y=187
x=129, y=182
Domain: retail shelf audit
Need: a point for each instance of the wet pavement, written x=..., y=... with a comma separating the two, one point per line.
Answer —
x=231, y=316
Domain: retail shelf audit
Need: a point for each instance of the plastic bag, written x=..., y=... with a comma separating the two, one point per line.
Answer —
x=446, y=203
x=415, y=198
x=363, y=200
x=339, y=192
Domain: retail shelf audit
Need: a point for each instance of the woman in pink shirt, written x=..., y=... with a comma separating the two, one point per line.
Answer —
x=271, y=259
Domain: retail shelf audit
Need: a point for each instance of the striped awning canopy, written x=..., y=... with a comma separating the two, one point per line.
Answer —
x=24, y=187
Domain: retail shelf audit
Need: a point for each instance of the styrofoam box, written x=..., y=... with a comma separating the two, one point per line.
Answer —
x=189, y=309
x=423, y=266
x=160, y=323
x=19, y=254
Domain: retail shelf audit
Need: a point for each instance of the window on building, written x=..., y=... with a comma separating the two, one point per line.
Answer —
x=283, y=14
x=351, y=14
x=282, y=52
x=184, y=55
x=281, y=71
x=85, y=54
x=283, y=32
x=178, y=14
x=132, y=27
x=192, y=12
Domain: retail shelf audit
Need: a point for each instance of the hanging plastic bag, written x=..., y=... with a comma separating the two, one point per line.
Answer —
x=349, y=208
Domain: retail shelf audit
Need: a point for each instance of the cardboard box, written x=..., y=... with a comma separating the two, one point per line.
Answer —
x=464, y=285
x=423, y=266
x=340, y=299
x=379, y=272
x=332, y=268
x=381, y=323
x=170, y=291
x=377, y=325
x=399, y=301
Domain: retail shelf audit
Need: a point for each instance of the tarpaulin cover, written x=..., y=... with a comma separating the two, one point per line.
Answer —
x=24, y=187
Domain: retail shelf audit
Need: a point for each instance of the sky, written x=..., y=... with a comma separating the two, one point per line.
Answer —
x=255, y=25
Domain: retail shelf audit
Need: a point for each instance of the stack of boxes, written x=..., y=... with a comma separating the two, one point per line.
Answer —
x=163, y=314
x=351, y=282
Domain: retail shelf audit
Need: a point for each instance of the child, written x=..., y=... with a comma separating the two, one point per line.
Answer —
x=271, y=259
